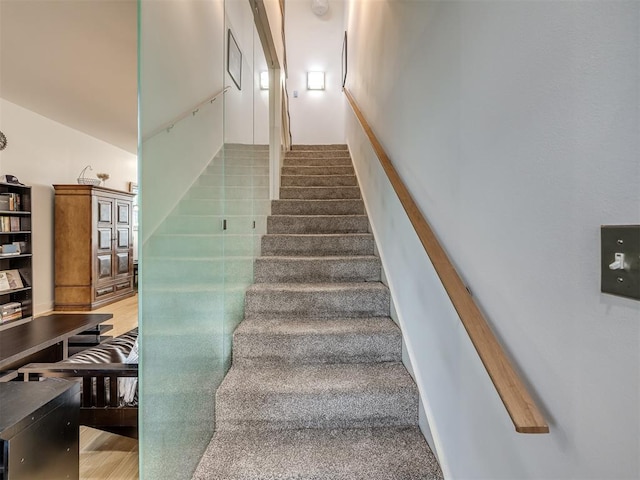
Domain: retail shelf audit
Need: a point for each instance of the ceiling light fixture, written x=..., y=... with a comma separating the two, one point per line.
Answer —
x=319, y=7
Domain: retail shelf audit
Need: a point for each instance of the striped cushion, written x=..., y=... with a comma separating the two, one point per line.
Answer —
x=115, y=350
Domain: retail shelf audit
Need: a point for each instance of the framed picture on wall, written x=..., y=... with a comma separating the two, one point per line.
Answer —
x=234, y=60
x=344, y=60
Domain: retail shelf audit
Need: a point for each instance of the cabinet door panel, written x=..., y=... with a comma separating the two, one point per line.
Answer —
x=104, y=211
x=104, y=266
x=104, y=238
x=123, y=238
x=123, y=263
x=123, y=213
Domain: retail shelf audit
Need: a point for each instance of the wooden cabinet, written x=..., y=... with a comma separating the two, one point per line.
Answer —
x=15, y=253
x=93, y=246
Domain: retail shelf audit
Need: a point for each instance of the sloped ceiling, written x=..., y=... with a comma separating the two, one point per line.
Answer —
x=75, y=62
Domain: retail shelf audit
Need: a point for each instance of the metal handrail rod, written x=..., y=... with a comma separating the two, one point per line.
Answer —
x=192, y=111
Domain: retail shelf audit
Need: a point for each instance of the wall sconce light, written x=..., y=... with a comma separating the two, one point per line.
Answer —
x=315, y=80
x=264, y=80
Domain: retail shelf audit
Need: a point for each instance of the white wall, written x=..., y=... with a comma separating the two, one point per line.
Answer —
x=42, y=153
x=261, y=97
x=249, y=102
x=181, y=65
x=315, y=44
x=515, y=126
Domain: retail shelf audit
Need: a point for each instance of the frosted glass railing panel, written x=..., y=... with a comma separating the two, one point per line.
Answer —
x=182, y=271
x=204, y=200
x=182, y=282
x=241, y=186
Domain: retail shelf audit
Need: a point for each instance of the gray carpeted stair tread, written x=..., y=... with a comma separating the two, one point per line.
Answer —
x=399, y=453
x=309, y=341
x=321, y=300
x=340, y=454
x=319, y=193
x=286, y=269
x=318, y=244
x=316, y=154
x=317, y=224
x=317, y=162
x=283, y=397
x=315, y=287
x=318, y=170
x=329, y=146
x=311, y=326
x=317, y=207
x=318, y=181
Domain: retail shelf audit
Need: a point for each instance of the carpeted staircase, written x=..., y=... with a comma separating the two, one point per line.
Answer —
x=317, y=389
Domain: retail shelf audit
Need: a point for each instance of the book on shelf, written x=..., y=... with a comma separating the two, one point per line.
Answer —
x=10, y=224
x=10, y=311
x=10, y=280
x=21, y=247
x=10, y=201
x=9, y=249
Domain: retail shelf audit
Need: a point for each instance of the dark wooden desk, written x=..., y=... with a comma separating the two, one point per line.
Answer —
x=46, y=335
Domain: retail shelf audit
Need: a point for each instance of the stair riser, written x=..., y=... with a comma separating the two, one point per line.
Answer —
x=333, y=146
x=274, y=411
x=246, y=147
x=317, y=154
x=319, y=193
x=255, y=162
x=287, y=270
x=199, y=271
x=317, y=207
x=317, y=224
x=181, y=246
x=324, y=170
x=260, y=350
x=201, y=307
x=224, y=207
x=317, y=162
x=231, y=169
x=348, y=303
x=317, y=246
x=230, y=193
x=212, y=224
x=228, y=180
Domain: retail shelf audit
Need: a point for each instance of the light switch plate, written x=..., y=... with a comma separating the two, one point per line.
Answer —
x=623, y=239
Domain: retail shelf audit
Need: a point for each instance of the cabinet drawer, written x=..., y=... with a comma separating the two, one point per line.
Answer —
x=102, y=291
x=123, y=286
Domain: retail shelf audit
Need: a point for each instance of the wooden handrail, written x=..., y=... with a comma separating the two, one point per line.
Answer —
x=523, y=411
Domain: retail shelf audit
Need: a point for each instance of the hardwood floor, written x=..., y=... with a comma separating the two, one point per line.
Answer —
x=125, y=315
x=104, y=456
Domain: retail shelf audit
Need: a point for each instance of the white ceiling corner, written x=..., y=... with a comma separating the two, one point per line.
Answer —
x=75, y=62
